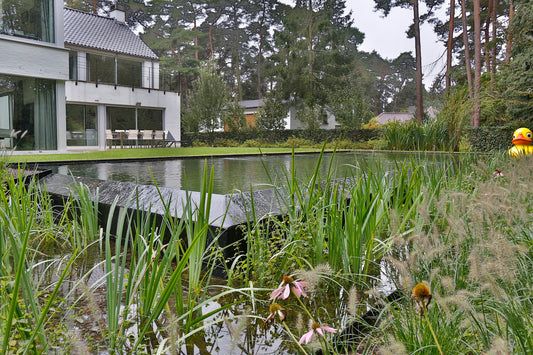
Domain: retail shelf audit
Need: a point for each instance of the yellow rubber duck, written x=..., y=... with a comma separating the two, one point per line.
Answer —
x=522, y=139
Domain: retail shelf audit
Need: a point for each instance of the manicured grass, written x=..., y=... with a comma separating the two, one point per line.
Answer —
x=147, y=153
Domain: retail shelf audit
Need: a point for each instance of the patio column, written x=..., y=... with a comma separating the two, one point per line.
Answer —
x=101, y=126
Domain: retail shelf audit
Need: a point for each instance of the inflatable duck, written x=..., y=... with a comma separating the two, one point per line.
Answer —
x=522, y=139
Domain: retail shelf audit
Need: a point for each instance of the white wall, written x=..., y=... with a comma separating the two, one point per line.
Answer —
x=291, y=122
x=34, y=59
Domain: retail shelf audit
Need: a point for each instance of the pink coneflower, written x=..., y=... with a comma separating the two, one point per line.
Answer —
x=275, y=310
x=497, y=173
x=307, y=337
x=284, y=291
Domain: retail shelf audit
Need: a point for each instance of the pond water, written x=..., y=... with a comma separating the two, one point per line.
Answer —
x=236, y=172
x=258, y=172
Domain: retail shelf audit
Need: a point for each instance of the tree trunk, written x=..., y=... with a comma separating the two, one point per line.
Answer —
x=509, y=35
x=487, y=36
x=493, y=48
x=450, y=44
x=477, y=65
x=195, y=29
x=260, y=51
x=310, y=43
x=468, y=65
x=211, y=50
x=418, y=53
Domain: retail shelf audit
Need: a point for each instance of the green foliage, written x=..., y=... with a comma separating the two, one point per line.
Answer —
x=253, y=143
x=271, y=115
x=314, y=55
x=518, y=75
x=294, y=142
x=272, y=138
x=456, y=115
x=311, y=116
x=207, y=101
x=413, y=136
x=487, y=139
x=457, y=226
x=234, y=117
x=350, y=110
x=221, y=142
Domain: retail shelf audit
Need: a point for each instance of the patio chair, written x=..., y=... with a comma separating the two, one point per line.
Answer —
x=110, y=138
x=147, y=137
x=132, y=136
x=159, y=138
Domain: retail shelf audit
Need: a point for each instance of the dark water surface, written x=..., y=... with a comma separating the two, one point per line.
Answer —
x=238, y=172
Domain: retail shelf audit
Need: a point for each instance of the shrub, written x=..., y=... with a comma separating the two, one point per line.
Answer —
x=222, y=142
x=198, y=143
x=294, y=142
x=486, y=139
x=254, y=143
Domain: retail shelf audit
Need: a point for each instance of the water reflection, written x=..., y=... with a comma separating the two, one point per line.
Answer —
x=230, y=173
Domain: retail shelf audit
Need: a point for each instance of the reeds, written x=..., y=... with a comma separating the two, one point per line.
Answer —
x=457, y=226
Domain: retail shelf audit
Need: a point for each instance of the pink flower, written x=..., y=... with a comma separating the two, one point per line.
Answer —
x=275, y=310
x=307, y=337
x=497, y=173
x=284, y=291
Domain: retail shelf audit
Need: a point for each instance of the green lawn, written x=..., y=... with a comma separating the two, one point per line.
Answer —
x=147, y=153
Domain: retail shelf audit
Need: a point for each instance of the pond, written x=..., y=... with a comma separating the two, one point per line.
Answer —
x=240, y=329
x=236, y=172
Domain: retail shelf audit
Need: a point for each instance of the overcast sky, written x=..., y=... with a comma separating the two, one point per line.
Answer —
x=387, y=36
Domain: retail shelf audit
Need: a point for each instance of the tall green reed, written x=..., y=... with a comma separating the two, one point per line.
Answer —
x=161, y=269
x=22, y=315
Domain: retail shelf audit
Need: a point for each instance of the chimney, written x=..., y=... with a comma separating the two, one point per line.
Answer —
x=117, y=12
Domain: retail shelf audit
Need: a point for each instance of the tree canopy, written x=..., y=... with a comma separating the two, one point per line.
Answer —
x=307, y=54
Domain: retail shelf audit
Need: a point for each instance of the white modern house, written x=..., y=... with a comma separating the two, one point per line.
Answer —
x=68, y=77
x=113, y=83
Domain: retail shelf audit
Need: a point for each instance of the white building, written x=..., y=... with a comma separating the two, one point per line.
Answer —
x=67, y=76
x=113, y=82
x=328, y=120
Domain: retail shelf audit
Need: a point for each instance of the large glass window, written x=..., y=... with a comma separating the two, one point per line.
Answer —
x=28, y=106
x=73, y=65
x=123, y=118
x=120, y=118
x=100, y=69
x=129, y=73
x=28, y=18
x=150, y=119
x=81, y=125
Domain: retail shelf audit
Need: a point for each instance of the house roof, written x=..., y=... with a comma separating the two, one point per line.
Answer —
x=248, y=104
x=103, y=33
x=385, y=117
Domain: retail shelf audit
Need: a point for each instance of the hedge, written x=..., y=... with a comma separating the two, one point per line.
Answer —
x=487, y=139
x=481, y=139
x=316, y=136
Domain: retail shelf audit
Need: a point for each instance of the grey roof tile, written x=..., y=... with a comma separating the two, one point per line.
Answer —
x=103, y=33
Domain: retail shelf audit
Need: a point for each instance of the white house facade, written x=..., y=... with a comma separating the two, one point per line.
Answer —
x=33, y=71
x=68, y=77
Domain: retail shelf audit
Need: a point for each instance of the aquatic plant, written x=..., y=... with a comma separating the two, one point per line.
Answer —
x=318, y=329
x=288, y=284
